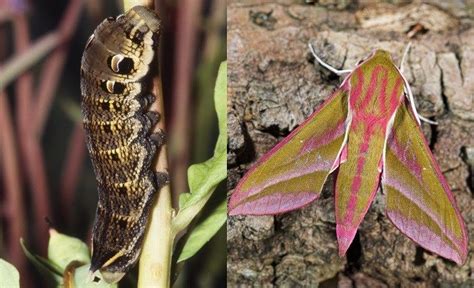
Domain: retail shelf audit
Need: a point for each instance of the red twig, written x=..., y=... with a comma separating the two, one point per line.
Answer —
x=15, y=215
x=72, y=168
x=51, y=74
x=53, y=66
x=189, y=12
x=32, y=158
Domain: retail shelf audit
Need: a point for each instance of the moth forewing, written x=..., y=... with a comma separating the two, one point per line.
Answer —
x=387, y=135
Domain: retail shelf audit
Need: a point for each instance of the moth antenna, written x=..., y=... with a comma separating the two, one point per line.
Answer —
x=428, y=120
x=327, y=66
x=404, y=57
x=408, y=90
x=411, y=99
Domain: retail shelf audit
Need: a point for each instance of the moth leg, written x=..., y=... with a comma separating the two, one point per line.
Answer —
x=162, y=179
x=152, y=118
x=148, y=99
x=151, y=151
x=327, y=66
x=159, y=138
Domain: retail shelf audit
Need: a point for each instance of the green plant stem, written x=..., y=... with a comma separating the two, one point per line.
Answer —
x=155, y=260
x=157, y=251
x=185, y=216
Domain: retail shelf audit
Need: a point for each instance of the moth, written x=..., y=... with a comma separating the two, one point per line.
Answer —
x=116, y=70
x=369, y=131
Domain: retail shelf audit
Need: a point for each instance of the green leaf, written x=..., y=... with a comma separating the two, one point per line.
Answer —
x=9, y=276
x=203, y=178
x=203, y=232
x=63, y=249
x=183, y=198
x=46, y=267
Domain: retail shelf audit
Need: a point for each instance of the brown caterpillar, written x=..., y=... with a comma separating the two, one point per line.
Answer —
x=116, y=92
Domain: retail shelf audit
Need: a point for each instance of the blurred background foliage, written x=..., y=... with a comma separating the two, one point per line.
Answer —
x=46, y=177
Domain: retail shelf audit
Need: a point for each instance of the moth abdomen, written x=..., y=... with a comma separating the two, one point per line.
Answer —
x=116, y=70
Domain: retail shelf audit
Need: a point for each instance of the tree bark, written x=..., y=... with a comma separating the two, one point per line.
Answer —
x=274, y=84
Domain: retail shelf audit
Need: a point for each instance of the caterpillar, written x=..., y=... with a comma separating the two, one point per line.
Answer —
x=116, y=71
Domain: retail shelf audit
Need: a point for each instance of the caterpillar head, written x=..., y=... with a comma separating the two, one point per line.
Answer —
x=113, y=268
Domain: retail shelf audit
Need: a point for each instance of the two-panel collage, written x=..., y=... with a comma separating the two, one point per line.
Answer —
x=213, y=143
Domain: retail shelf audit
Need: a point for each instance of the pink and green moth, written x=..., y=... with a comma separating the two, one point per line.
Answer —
x=370, y=130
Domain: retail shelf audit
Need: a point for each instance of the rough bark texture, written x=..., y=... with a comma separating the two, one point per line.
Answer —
x=274, y=85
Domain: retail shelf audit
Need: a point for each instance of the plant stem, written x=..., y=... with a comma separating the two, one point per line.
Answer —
x=13, y=207
x=21, y=62
x=52, y=69
x=188, y=19
x=73, y=163
x=155, y=259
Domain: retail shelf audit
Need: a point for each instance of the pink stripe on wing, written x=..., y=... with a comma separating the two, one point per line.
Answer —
x=345, y=235
x=317, y=165
x=315, y=142
x=356, y=91
x=396, y=97
x=404, y=154
x=418, y=201
x=424, y=236
x=383, y=97
x=275, y=203
x=368, y=97
x=357, y=181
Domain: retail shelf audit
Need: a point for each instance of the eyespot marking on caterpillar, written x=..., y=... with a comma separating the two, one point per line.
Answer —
x=138, y=32
x=137, y=38
x=112, y=87
x=120, y=64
